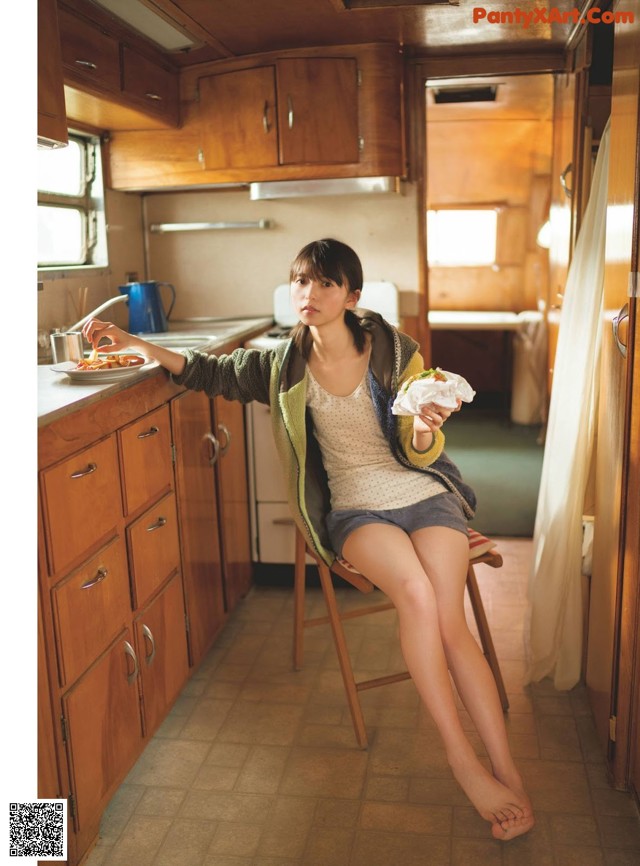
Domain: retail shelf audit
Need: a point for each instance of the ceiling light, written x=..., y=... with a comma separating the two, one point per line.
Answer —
x=138, y=16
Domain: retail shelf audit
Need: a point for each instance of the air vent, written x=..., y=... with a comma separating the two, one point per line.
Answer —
x=445, y=95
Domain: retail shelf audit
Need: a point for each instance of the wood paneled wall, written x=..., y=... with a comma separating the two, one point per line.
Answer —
x=495, y=154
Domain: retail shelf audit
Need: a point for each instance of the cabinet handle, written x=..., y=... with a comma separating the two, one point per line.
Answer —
x=155, y=96
x=265, y=117
x=216, y=448
x=227, y=436
x=146, y=631
x=563, y=180
x=87, y=64
x=160, y=522
x=623, y=314
x=283, y=521
x=290, y=112
x=131, y=652
x=101, y=573
x=150, y=432
x=81, y=474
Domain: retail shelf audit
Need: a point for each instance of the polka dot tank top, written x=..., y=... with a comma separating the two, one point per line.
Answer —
x=362, y=471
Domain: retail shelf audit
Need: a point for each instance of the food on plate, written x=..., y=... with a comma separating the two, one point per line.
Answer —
x=109, y=362
x=432, y=386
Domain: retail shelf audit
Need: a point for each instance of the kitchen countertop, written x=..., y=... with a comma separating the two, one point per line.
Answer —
x=58, y=395
x=481, y=320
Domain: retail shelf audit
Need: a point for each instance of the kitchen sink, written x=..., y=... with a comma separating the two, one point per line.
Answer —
x=180, y=341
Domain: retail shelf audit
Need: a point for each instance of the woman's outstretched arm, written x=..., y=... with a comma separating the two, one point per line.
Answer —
x=95, y=330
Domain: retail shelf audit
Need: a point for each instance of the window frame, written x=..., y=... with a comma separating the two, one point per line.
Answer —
x=90, y=202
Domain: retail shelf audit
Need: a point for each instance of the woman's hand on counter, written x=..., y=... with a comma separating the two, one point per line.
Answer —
x=96, y=330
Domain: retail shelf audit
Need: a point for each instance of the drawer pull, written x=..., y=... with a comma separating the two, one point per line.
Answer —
x=150, y=432
x=227, y=436
x=87, y=64
x=146, y=631
x=155, y=96
x=131, y=652
x=160, y=522
x=90, y=468
x=101, y=573
x=216, y=448
x=283, y=521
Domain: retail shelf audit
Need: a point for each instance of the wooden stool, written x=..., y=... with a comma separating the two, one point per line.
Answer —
x=334, y=617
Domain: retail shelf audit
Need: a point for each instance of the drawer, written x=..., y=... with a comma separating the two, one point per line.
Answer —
x=154, y=550
x=276, y=533
x=90, y=608
x=149, y=83
x=82, y=502
x=145, y=448
x=88, y=53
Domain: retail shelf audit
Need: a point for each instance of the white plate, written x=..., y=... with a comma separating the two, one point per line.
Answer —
x=115, y=374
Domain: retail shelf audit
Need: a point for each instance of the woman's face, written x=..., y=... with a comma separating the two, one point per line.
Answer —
x=319, y=300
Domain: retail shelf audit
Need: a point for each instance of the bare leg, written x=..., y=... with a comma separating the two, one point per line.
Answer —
x=444, y=555
x=387, y=556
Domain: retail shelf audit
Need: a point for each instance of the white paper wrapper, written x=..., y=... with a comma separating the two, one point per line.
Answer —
x=430, y=390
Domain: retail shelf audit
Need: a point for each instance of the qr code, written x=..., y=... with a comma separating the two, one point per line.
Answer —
x=38, y=829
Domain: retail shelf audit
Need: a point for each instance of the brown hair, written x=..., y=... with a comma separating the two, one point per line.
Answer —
x=333, y=260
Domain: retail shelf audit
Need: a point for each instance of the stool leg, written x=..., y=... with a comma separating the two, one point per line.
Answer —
x=485, y=635
x=299, y=579
x=343, y=656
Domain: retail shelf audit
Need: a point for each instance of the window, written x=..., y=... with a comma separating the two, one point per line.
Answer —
x=462, y=238
x=71, y=221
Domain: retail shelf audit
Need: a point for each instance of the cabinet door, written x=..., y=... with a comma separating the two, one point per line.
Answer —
x=154, y=549
x=52, y=120
x=156, y=88
x=88, y=54
x=238, y=112
x=145, y=447
x=161, y=639
x=317, y=110
x=104, y=733
x=196, y=454
x=82, y=502
x=234, y=499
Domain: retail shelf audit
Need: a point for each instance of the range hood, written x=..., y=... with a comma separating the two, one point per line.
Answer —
x=330, y=186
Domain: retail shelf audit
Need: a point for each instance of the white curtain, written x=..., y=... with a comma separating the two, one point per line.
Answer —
x=555, y=583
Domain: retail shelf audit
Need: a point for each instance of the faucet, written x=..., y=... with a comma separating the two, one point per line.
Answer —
x=97, y=310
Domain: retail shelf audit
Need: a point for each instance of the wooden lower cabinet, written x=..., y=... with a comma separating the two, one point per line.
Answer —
x=140, y=523
x=103, y=731
x=196, y=454
x=233, y=497
x=161, y=643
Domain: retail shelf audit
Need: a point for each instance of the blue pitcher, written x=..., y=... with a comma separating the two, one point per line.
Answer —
x=146, y=311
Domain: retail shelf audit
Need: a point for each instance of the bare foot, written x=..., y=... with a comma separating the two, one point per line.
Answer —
x=506, y=830
x=495, y=802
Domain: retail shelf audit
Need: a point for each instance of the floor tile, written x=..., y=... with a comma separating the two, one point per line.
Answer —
x=258, y=765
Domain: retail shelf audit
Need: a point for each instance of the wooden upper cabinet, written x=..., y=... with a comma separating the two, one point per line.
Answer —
x=89, y=55
x=153, y=85
x=301, y=111
x=238, y=111
x=52, y=119
x=317, y=110
x=114, y=78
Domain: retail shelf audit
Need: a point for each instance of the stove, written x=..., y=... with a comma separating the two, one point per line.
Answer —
x=381, y=297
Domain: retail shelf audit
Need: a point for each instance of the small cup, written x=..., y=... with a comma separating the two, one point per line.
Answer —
x=67, y=346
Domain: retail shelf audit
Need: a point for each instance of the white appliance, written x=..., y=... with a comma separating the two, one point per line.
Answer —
x=272, y=528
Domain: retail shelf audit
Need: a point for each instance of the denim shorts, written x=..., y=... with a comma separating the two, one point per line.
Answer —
x=443, y=509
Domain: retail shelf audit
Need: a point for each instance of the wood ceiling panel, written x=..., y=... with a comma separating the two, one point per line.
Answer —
x=248, y=27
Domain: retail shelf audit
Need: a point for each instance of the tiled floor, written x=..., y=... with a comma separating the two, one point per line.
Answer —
x=257, y=765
